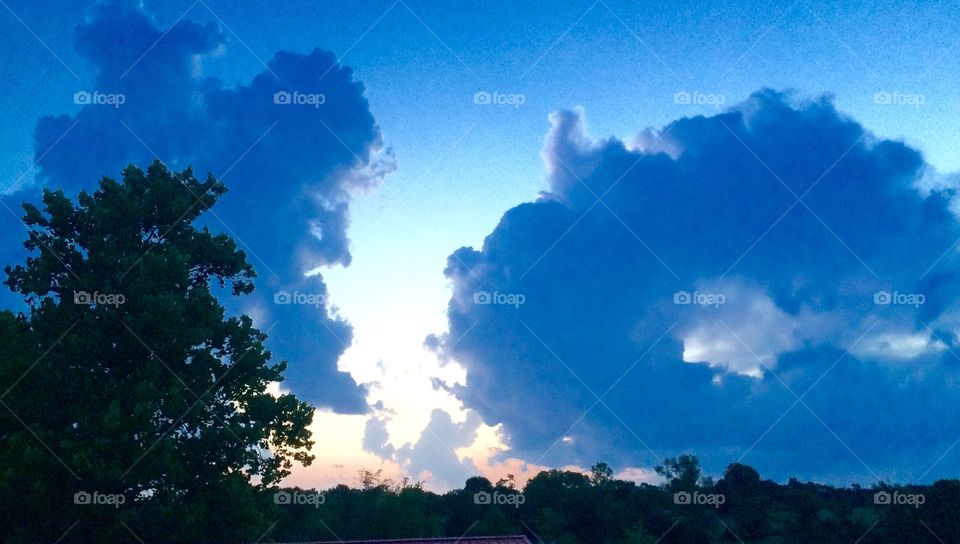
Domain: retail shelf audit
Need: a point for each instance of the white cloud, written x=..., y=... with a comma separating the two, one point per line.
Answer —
x=639, y=475
x=743, y=334
x=897, y=346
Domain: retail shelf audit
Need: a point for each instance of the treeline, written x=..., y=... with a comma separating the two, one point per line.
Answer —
x=569, y=508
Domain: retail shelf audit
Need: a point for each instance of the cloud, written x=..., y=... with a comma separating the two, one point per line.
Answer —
x=701, y=279
x=293, y=145
x=376, y=438
x=434, y=457
x=742, y=331
x=639, y=475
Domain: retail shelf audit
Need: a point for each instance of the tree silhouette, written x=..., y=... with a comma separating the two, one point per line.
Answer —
x=125, y=379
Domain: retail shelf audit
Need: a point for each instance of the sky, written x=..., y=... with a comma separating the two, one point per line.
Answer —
x=585, y=167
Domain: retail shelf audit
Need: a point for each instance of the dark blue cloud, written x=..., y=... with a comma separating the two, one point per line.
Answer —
x=788, y=223
x=293, y=145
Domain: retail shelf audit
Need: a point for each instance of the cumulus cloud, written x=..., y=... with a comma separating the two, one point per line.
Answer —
x=740, y=286
x=376, y=438
x=435, y=456
x=740, y=330
x=293, y=145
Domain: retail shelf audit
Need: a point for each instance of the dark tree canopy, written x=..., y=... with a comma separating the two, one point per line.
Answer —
x=566, y=507
x=126, y=378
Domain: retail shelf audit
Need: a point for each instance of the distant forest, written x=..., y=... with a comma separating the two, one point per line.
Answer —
x=565, y=507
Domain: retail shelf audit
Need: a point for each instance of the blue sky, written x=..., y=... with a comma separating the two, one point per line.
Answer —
x=455, y=167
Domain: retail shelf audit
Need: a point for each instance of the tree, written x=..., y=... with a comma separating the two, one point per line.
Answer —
x=600, y=473
x=680, y=473
x=125, y=379
x=746, y=502
x=637, y=535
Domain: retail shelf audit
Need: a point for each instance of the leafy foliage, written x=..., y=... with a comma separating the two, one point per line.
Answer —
x=575, y=508
x=126, y=378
